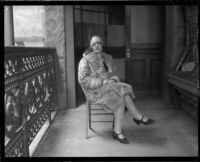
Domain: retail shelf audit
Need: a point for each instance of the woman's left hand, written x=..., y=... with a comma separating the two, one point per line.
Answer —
x=108, y=81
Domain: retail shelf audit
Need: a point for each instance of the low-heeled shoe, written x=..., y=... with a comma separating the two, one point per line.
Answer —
x=148, y=122
x=122, y=140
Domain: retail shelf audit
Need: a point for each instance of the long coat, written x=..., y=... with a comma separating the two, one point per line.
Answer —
x=94, y=80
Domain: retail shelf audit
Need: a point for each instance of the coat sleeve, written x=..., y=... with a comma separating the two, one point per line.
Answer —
x=112, y=70
x=84, y=77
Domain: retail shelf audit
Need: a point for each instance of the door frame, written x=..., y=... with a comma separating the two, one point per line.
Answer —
x=127, y=40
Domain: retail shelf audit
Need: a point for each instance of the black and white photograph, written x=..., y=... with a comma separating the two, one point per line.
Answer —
x=101, y=80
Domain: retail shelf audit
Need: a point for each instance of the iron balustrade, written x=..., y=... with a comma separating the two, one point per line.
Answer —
x=30, y=95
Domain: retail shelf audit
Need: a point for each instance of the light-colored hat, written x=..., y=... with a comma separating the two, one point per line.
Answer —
x=95, y=39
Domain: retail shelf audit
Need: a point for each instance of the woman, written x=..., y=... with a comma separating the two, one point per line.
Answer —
x=102, y=86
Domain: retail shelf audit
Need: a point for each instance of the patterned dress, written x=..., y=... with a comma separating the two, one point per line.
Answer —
x=94, y=78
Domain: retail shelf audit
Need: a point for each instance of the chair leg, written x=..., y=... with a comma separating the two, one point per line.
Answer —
x=113, y=122
x=87, y=121
x=89, y=109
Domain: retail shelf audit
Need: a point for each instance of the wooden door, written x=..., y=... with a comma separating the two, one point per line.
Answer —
x=143, y=59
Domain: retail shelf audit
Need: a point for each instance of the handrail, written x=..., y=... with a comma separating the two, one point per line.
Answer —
x=30, y=95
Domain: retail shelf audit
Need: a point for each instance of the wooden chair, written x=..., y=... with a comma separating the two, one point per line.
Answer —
x=95, y=112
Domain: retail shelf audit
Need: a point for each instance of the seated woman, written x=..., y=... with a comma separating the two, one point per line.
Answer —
x=101, y=86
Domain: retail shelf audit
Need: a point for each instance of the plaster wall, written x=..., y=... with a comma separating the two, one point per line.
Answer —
x=55, y=37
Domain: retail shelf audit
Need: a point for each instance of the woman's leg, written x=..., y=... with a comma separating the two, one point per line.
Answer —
x=132, y=108
x=118, y=114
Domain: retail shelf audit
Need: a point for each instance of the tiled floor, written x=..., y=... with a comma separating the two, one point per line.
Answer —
x=173, y=134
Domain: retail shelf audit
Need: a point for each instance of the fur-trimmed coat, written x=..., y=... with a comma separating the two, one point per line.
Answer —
x=96, y=81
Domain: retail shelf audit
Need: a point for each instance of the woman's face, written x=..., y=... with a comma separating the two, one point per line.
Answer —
x=97, y=46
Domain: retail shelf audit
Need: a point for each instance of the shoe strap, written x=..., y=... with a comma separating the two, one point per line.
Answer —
x=119, y=134
x=142, y=118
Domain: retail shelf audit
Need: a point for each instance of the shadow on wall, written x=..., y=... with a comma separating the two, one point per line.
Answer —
x=60, y=81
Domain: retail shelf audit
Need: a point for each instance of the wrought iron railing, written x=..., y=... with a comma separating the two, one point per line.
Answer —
x=30, y=95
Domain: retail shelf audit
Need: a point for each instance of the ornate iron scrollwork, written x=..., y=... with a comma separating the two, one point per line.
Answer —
x=29, y=96
x=12, y=112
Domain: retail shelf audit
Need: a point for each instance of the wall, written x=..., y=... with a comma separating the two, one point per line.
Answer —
x=145, y=24
x=55, y=37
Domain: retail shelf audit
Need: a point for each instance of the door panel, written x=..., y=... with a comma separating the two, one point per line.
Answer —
x=143, y=69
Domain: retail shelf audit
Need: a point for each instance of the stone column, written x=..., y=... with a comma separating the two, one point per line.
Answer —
x=168, y=50
x=8, y=26
x=55, y=37
x=70, y=60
